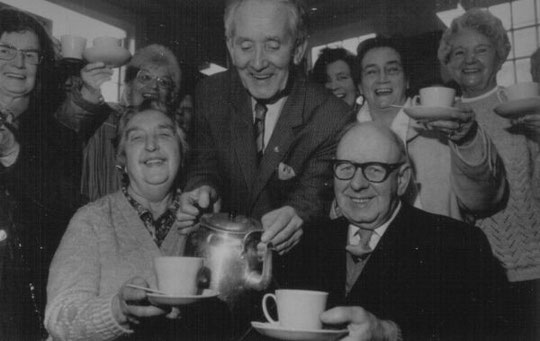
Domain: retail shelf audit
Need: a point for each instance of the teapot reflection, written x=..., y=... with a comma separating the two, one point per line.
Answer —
x=228, y=244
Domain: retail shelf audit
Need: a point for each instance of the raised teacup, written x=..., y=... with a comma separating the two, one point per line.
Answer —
x=435, y=96
x=178, y=276
x=522, y=90
x=107, y=42
x=72, y=46
x=297, y=309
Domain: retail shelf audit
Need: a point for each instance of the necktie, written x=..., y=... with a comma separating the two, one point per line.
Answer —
x=260, y=115
x=361, y=248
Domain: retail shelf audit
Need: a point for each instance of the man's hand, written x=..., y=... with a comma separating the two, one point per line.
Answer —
x=130, y=305
x=194, y=203
x=93, y=76
x=362, y=324
x=282, y=228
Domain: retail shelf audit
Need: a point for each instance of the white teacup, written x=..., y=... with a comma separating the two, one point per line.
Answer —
x=297, y=309
x=107, y=42
x=72, y=46
x=435, y=96
x=177, y=276
x=522, y=90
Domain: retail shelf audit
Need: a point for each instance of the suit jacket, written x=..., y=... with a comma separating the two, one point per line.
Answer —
x=224, y=151
x=432, y=275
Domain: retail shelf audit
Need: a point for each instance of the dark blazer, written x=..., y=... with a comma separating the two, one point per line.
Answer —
x=224, y=151
x=432, y=275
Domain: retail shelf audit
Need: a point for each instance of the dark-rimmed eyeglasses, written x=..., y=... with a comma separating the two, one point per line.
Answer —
x=8, y=52
x=145, y=78
x=373, y=171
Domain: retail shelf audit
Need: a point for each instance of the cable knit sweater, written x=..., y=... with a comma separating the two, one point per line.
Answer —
x=105, y=245
x=514, y=233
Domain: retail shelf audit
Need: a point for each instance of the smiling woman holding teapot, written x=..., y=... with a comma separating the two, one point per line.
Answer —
x=113, y=241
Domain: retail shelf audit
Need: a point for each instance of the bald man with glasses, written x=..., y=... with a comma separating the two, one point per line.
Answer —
x=396, y=272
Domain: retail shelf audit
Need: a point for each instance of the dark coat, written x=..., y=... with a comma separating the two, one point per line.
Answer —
x=38, y=196
x=432, y=275
x=224, y=151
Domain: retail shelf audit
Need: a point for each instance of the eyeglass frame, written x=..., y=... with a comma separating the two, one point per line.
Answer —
x=23, y=53
x=154, y=78
x=388, y=168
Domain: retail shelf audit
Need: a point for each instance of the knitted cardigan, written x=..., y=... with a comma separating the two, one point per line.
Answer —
x=514, y=232
x=105, y=245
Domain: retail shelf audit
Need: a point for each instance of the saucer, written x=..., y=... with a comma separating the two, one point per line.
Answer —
x=158, y=299
x=112, y=56
x=516, y=108
x=276, y=331
x=423, y=113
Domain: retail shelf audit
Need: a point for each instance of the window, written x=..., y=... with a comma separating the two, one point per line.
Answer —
x=521, y=19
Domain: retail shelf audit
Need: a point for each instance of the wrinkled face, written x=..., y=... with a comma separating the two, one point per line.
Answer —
x=363, y=203
x=339, y=81
x=152, y=151
x=17, y=76
x=383, y=80
x=473, y=62
x=147, y=86
x=263, y=47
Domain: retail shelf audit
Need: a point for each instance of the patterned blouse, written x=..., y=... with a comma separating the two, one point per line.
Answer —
x=160, y=227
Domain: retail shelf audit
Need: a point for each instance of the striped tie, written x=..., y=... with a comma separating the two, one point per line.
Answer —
x=260, y=114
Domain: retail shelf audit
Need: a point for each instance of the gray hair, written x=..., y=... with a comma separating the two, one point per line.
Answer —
x=297, y=17
x=482, y=21
x=126, y=117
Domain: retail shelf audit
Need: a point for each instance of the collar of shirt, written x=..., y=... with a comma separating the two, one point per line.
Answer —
x=272, y=116
x=400, y=124
x=354, y=238
x=143, y=211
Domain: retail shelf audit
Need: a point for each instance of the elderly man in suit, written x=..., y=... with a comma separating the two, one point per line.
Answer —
x=262, y=134
x=402, y=272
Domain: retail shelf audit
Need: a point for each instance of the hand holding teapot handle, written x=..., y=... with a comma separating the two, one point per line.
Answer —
x=194, y=203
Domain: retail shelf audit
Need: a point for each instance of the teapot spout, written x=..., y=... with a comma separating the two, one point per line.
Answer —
x=260, y=281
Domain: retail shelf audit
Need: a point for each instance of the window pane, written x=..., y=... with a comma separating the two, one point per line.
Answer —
x=523, y=70
x=505, y=76
x=502, y=12
x=523, y=13
x=350, y=45
x=524, y=42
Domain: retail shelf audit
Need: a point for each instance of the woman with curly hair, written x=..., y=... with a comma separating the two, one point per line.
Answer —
x=473, y=50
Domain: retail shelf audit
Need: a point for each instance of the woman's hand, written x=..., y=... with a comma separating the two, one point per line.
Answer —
x=130, y=305
x=530, y=124
x=460, y=128
x=93, y=76
x=362, y=324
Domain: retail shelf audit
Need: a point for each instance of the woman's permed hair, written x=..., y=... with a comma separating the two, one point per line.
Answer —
x=483, y=22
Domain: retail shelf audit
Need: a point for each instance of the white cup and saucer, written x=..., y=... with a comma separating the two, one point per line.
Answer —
x=108, y=50
x=298, y=316
x=178, y=281
x=518, y=99
x=433, y=103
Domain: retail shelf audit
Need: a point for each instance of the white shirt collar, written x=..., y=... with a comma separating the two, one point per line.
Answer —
x=354, y=238
x=400, y=124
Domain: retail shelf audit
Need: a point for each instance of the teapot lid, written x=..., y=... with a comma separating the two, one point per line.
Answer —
x=229, y=222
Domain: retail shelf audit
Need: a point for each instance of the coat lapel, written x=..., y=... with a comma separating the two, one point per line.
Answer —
x=241, y=130
x=290, y=121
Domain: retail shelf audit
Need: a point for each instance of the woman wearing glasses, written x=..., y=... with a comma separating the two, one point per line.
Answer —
x=457, y=171
x=152, y=74
x=38, y=194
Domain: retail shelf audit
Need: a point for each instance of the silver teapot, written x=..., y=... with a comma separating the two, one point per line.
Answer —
x=228, y=244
